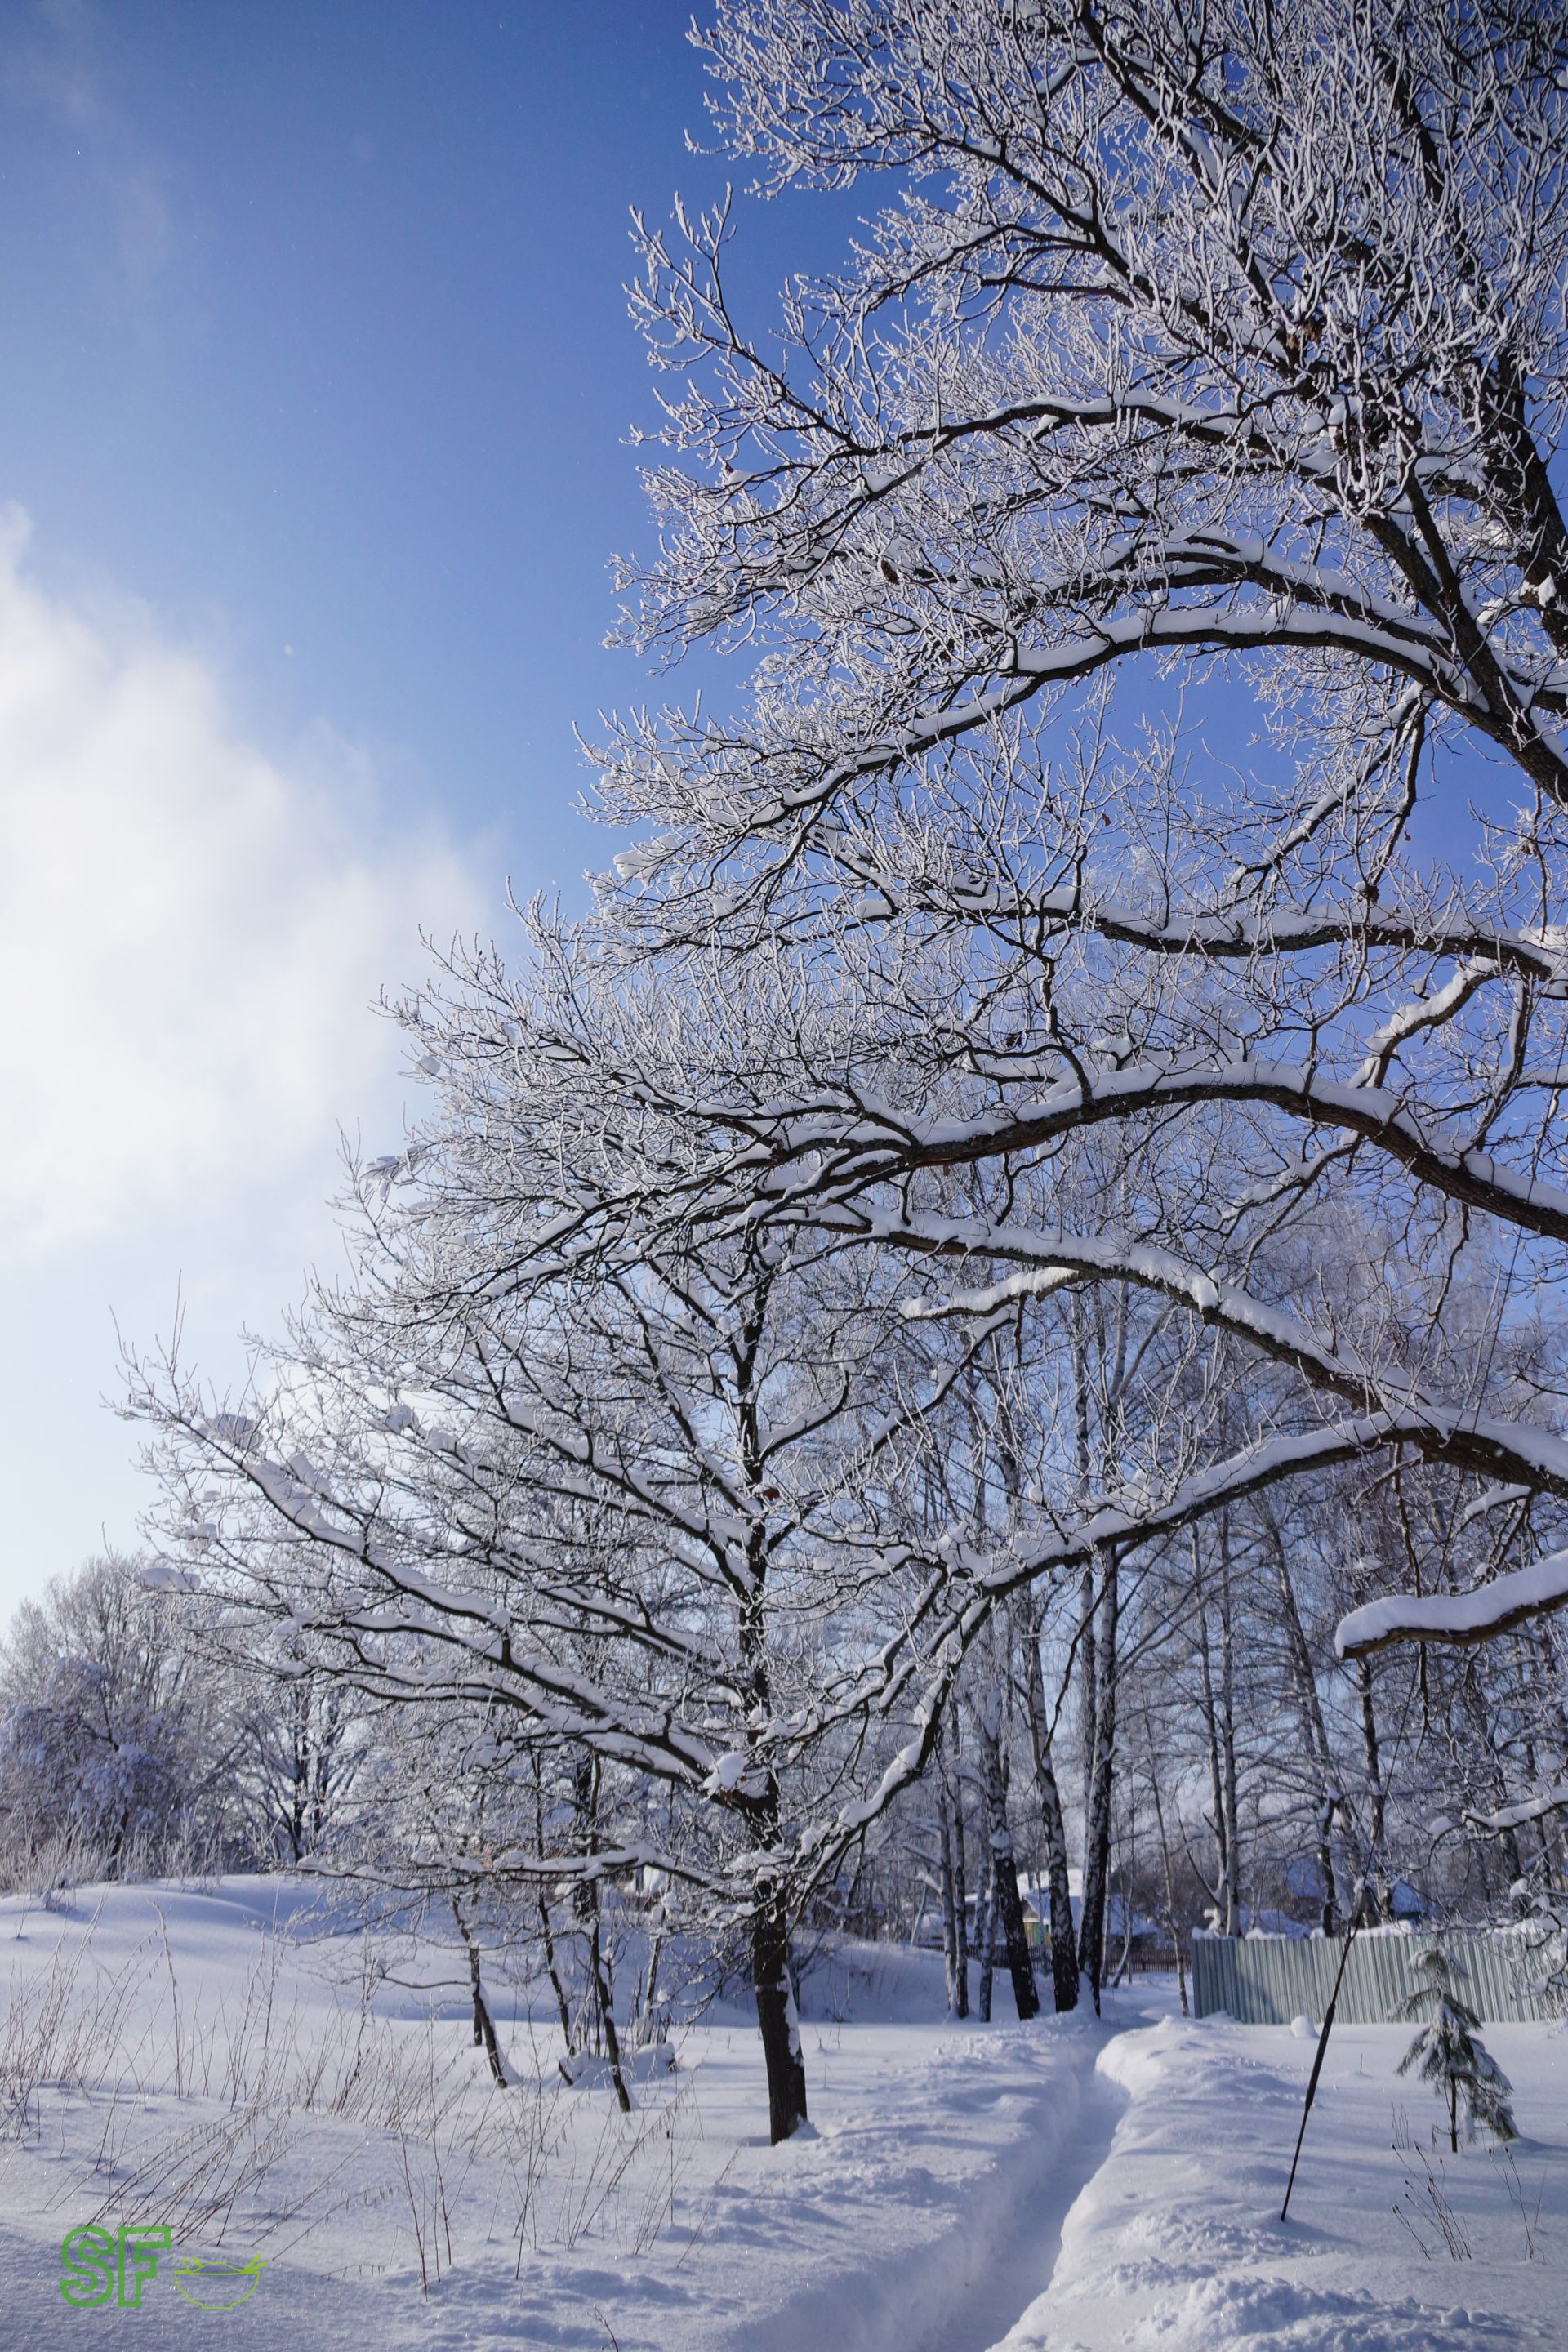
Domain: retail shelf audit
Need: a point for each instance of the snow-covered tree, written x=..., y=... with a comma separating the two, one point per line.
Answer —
x=1449, y=2054
x=1209, y=360
x=115, y=1749
x=644, y=1493
x=1119, y=927
x=300, y=1749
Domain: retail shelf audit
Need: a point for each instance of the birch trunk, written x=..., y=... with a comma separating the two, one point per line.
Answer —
x=1004, y=1870
x=1220, y=1783
x=949, y=1904
x=484, y=2025
x=986, y=1943
x=1227, y=1749
x=1096, y=1826
x=1064, y=1942
x=1170, y=1887
x=1380, y=1888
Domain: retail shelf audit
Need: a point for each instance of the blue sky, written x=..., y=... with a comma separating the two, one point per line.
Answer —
x=316, y=340
x=312, y=434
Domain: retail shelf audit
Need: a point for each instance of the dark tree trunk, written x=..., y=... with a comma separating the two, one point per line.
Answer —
x=604, y=2001
x=782, y=2052
x=652, y=2022
x=1020, y=1959
x=1330, y=1916
x=783, y=2058
x=951, y=1797
x=546, y=1925
x=563, y=2007
x=1064, y=1942
x=1097, y=1829
x=586, y=1896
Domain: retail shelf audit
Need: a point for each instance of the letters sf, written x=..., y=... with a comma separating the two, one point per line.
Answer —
x=99, y=2266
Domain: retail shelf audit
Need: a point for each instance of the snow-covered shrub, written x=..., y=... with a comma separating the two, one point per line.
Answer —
x=1449, y=2054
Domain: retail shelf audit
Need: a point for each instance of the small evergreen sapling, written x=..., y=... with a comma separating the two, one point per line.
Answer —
x=1448, y=2055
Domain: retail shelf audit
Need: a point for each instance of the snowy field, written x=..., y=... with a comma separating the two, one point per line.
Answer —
x=213, y=2062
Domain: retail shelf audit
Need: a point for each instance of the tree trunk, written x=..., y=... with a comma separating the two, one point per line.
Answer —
x=1124, y=1964
x=1170, y=1885
x=1381, y=1889
x=1228, y=1747
x=1096, y=1828
x=777, y=2021
x=599, y=1993
x=1004, y=1869
x=563, y=2007
x=1089, y=1686
x=986, y=1942
x=605, y=2008
x=484, y=2025
x=949, y=1902
x=546, y=1925
x=652, y=2025
x=1064, y=1942
x=959, y=1995
x=1309, y=1707
x=1328, y=1916
x=1222, y=1782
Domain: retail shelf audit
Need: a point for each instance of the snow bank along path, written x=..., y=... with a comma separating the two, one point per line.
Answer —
x=1393, y=2246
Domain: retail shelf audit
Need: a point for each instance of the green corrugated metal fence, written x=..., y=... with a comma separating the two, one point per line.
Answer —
x=1269, y=1980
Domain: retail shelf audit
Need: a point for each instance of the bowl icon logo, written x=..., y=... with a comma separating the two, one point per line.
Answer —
x=218, y=2285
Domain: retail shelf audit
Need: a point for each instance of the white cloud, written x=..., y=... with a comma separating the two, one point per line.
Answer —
x=190, y=936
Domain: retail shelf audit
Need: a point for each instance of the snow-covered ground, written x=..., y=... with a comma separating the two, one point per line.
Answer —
x=1393, y=2244
x=1062, y=2185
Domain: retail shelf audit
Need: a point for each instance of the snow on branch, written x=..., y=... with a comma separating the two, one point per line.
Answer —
x=1529, y=1809
x=1480, y=1616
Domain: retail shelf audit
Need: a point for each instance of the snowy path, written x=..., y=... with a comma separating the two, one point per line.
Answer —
x=933, y=2217
x=1022, y=2269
